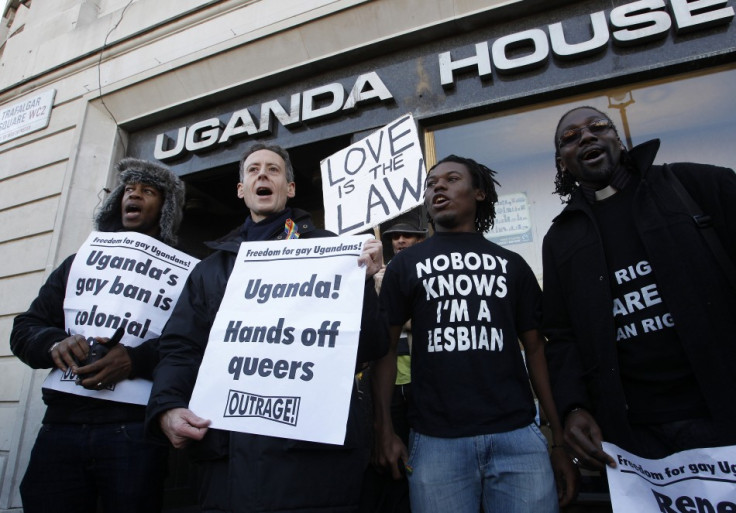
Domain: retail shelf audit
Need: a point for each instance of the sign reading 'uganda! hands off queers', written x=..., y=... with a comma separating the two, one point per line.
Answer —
x=280, y=359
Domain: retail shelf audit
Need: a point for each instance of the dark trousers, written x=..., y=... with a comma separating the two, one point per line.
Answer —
x=73, y=466
x=400, y=411
x=381, y=494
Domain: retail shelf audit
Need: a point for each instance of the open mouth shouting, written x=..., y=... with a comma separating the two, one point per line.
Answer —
x=591, y=155
x=439, y=201
x=263, y=191
x=266, y=184
x=132, y=211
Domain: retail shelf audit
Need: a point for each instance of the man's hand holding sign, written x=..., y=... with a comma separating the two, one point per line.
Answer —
x=181, y=426
x=371, y=257
x=583, y=438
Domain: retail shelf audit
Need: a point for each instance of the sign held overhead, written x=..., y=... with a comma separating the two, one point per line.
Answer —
x=375, y=179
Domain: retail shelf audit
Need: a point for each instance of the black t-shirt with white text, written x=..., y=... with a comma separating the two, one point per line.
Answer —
x=656, y=374
x=468, y=299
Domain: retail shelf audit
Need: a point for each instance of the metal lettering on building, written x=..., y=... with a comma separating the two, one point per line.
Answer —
x=627, y=25
x=326, y=100
x=630, y=24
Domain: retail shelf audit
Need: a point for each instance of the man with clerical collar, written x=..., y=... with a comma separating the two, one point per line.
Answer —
x=639, y=296
x=247, y=472
x=90, y=450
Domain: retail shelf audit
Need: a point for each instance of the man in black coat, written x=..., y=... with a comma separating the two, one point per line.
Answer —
x=638, y=306
x=245, y=472
x=88, y=449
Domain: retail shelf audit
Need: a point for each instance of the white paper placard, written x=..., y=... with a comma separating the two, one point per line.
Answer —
x=698, y=480
x=280, y=359
x=375, y=179
x=121, y=279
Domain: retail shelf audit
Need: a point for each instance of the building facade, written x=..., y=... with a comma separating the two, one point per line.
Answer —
x=192, y=83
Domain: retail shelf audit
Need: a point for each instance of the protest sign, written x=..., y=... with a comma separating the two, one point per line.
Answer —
x=280, y=358
x=120, y=279
x=694, y=481
x=375, y=179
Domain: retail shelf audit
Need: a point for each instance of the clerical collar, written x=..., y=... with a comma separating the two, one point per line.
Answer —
x=619, y=180
x=605, y=192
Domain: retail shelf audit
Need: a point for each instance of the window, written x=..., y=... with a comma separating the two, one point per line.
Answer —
x=692, y=114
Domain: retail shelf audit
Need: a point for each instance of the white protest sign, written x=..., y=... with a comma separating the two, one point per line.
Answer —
x=121, y=279
x=375, y=179
x=694, y=481
x=280, y=360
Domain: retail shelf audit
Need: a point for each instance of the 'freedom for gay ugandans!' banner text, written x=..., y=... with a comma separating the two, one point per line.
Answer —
x=692, y=481
x=280, y=359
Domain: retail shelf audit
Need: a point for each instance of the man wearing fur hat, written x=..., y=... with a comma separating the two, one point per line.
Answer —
x=92, y=451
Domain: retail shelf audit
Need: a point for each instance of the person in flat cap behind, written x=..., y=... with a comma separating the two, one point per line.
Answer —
x=402, y=235
x=386, y=494
x=88, y=450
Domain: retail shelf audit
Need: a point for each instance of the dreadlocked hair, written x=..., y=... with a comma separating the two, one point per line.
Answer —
x=483, y=179
x=565, y=183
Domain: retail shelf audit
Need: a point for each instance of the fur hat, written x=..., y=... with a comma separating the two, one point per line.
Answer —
x=109, y=216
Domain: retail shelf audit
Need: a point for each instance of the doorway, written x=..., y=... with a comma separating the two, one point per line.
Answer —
x=212, y=208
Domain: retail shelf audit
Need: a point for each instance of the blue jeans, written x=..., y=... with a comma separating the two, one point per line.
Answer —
x=74, y=465
x=502, y=472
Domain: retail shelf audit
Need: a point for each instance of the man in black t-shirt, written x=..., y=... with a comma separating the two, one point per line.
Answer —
x=638, y=308
x=474, y=443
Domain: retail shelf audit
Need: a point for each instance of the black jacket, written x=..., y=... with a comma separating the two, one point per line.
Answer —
x=578, y=308
x=35, y=331
x=265, y=473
